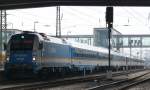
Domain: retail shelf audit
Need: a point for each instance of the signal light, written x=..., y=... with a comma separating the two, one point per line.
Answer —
x=33, y=58
x=109, y=14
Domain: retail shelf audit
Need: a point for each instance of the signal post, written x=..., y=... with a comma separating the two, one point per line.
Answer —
x=109, y=25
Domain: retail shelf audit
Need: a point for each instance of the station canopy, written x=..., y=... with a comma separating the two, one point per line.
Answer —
x=14, y=4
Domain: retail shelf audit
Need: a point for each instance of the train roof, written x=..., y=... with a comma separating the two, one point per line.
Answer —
x=47, y=38
x=87, y=47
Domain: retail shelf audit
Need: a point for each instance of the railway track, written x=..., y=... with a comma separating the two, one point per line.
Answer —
x=124, y=84
x=66, y=81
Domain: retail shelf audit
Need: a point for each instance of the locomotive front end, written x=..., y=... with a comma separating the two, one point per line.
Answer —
x=20, y=55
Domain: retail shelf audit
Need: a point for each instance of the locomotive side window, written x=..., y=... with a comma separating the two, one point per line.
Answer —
x=22, y=42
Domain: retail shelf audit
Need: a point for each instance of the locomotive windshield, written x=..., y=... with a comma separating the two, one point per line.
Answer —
x=22, y=42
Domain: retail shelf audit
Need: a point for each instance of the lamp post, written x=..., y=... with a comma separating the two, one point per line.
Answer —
x=34, y=25
x=68, y=32
x=47, y=25
x=12, y=26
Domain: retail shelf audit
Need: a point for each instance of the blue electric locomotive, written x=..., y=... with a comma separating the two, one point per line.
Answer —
x=32, y=53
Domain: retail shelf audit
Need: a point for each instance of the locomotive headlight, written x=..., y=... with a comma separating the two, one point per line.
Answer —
x=7, y=58
x=33, y=58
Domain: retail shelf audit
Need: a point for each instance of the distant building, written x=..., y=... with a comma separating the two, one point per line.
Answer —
x=101, y=37
x=85, y=39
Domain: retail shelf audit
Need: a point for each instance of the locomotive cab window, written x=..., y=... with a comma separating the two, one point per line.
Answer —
x=22, y=42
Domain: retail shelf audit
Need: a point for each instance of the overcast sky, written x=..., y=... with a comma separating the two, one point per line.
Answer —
x=80, y=20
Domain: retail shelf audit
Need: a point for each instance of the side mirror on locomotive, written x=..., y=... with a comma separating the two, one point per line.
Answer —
x=5, y=46
x=40, y=46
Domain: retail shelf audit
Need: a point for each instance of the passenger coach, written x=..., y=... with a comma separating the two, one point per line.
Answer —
x=32, y=53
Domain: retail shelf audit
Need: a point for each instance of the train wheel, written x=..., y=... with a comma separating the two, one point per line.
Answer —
x=43, y=74
x=7, y=75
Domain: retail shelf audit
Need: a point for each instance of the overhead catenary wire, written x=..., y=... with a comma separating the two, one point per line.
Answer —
x=139, y=14
x=131, y=13
x=79, y=16
x=35, y=16
x=74, y=13
x=29, y=19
